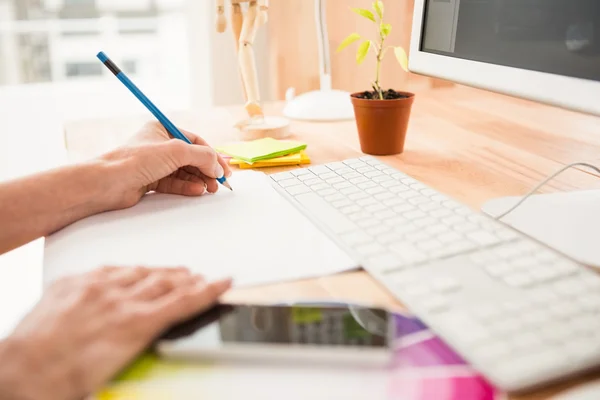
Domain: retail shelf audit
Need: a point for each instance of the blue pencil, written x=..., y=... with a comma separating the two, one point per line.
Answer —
x=172, y=129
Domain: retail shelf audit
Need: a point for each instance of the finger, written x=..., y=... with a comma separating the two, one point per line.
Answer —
x=181, y=187
x=125, y=277
x=202, y=157
x=160, y=282
x=187, y=176
x=211, y=184
x=185, y=302
x=200, y=141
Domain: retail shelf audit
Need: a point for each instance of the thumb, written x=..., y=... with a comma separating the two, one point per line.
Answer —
x=202, y=157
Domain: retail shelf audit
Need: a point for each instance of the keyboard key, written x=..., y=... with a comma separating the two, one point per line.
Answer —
x=429, y=245
x=335, y=165
x=483, y=238
x=399, y=189
x=367, y=223
x=297, y=189
x=301, y=171
x=328, y=175
x=403, y=208
x=375, y=190
x=319, y=186
x=373, y=208
x=435, y=303
x=463, y=328
x=445, y=285
x=388, y=238
x=319, y=169
x=366, y=201
x=350, y=190
x=345, y=171
x=377, y=230
x=382, y=178
x=386, y=214
x=358, y=179
x=390, y=183
x=306, y=177
x=396, y=221
x=356, y=237
x=416, y=214
x=341, y=203
x=440, y=213
x=373, y=174
x=365, y=169
x=334, y=197
x=353, y=162
x=342, y=185
x=326, y=192
x=425, y=222
x=383, y=262
x=353, y=175
x=358, y=195
x=392, y=201
x=312, y=181
x=350, y=209
x=518, y=280
x=336, y=180
x=384, y=196
x=370, y=249
x=288, y=182
x=437, y=230
x=409, y=253
x=359, y=215
x=367, y=185
x=449, y=237
x=405, y=229
x=282, y=176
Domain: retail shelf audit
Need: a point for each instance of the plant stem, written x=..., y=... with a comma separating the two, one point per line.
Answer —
x=378, y=68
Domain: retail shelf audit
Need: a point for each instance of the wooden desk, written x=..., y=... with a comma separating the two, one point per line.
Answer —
x=469, y=144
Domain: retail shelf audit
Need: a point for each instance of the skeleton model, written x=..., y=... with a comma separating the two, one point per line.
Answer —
x=244, y=27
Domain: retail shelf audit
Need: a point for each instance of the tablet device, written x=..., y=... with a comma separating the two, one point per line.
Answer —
x=347, y=335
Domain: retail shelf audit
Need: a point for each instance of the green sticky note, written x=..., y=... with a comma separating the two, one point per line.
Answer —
x=261, y=149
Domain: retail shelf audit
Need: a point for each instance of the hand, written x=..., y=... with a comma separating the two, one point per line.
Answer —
x=154, y=161
x=86, y=328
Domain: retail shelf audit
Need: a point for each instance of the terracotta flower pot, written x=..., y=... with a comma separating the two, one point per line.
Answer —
x=382, y=124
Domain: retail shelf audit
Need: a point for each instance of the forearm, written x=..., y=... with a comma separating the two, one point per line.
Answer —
x=38, y=205
x=24, y=377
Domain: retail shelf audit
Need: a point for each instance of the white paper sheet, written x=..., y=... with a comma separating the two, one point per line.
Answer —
x=252, y=234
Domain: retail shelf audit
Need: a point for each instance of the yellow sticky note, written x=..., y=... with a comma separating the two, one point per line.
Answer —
x=306, y=315
x=261, y=149
x=292, y=159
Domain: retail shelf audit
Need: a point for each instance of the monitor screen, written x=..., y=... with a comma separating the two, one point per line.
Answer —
x=553, y=36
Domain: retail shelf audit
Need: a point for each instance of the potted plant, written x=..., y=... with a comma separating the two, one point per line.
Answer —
x=381, y=115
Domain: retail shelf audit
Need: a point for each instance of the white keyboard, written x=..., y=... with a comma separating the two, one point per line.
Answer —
x=521, y=313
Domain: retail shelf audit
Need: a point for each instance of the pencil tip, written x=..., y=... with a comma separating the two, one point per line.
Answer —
x=227, y=185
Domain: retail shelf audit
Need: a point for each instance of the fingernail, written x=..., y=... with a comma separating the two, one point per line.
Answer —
x=219, y=172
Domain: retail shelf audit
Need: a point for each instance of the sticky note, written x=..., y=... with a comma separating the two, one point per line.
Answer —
x=261, y=149
x=291, y=159
x=306, y=315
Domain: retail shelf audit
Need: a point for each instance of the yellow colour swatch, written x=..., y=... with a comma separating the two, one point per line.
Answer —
x=261, y=149
x=291, y=159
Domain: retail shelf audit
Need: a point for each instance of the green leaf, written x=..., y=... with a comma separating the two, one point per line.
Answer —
x=378, y=7
x=401, y=57
x=362, y=51
x=386, y=29
x=365, y=13
x=353, y=37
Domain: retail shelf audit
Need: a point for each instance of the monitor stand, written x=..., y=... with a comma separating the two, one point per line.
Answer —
x=568, y=222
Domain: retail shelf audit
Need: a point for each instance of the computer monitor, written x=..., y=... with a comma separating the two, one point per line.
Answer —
x=542, y=50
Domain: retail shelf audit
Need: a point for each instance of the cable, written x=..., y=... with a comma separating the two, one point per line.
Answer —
x=545, y=181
